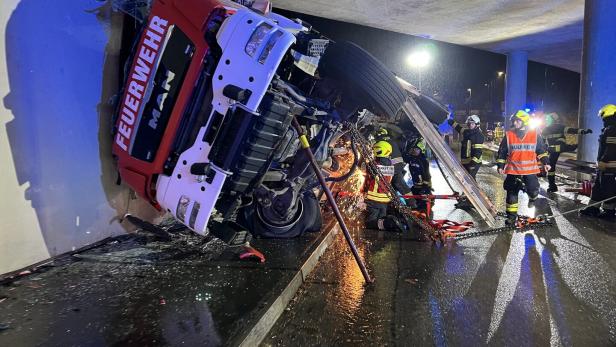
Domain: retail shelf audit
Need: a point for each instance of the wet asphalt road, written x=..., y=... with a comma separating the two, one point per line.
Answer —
x=139, y=291
x=553, y=286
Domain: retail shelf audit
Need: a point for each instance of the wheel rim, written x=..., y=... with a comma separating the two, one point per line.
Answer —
x=282, y=228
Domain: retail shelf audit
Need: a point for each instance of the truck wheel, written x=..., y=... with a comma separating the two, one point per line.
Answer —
x=308, y=219
x=361, y=72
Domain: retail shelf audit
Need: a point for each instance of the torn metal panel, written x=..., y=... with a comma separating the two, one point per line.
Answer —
x=138, y=9
x=445, y=155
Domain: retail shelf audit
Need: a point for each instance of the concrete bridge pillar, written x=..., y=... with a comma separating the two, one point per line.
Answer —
x=598, y=79
x=515, y=82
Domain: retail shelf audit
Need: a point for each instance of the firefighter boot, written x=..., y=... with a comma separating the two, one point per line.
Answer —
x=392, y=223
x=463, y=203
x=607, y=214
x=590, y=211
x=410, y=202
x=511, y=219
x=552, y=184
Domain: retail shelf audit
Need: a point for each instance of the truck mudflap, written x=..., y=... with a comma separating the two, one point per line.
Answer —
x=452, y=167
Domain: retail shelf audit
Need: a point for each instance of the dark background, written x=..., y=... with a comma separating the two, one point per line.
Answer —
x=455, y=68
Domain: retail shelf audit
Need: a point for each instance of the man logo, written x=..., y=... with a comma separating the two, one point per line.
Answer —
x=160, y=99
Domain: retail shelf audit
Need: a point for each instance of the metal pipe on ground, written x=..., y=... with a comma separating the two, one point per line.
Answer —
x=330, y=198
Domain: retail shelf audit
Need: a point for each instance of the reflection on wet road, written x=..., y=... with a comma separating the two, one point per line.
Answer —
x=552, y=286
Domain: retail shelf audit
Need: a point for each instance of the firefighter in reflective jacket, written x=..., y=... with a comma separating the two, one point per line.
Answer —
x=471, y=147
x=377, y=198
x=517, y=158
x=554, y=133
x=604, y=186
x=397, y=161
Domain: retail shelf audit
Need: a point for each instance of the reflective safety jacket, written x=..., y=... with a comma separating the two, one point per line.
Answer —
x=555, y=136
x=606, y=158
x=519, y=151
x=471, y=146
x=374, y=190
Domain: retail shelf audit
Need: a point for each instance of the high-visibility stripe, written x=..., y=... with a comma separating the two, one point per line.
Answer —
x=479, y=145
x=554, y=136
x=512, y=207
x=465, y=160
x=555, y=148
x=551, y=173
x=610, y=140
x=502, y=161
x=523, y=162
x=542, y=155
x=304, y=141
x=476, y=160
x=397, y=160
x=468, y=148
x=606, y=165
x=379, y=197
x=521, y=172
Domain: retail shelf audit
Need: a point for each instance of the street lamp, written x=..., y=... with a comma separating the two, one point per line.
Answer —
x=418, y=60
x=468, y=104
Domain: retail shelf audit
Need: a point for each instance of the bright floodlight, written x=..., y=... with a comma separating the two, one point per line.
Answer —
x=419, y=59
x=500, y=73
x=535, y=123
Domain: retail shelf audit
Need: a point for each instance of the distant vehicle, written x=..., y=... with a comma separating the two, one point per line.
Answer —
x=203, y=126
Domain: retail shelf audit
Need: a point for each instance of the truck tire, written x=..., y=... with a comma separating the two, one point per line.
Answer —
x=308, y=219
x=360, y=71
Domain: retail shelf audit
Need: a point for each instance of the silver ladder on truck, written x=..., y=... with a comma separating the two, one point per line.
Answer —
x=452, y=167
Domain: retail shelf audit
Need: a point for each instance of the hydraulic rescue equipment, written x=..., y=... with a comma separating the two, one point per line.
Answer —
x=436, y=230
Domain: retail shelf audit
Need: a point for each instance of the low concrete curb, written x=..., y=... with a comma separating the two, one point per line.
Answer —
x=265, y=323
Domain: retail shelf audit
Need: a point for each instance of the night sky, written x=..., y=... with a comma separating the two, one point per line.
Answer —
x=455, y=68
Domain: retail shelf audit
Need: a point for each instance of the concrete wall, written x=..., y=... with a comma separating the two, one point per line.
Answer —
x=58, y=69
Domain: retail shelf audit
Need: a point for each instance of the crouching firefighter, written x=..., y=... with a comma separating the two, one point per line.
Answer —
x=397, y=161
x=517, y=158
x=554, y=133
x=377, y=198
x=604, y=186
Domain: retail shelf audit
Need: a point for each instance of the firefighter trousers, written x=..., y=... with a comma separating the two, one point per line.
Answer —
x=513, y=184
x=553, y=160
x=472, y=169
x=604, y=187
x=422, y=204
x=377, y=217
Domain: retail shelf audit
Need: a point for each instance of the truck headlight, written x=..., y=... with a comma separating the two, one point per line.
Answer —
x=180, y=211
x=256, y=39
x=268, y=47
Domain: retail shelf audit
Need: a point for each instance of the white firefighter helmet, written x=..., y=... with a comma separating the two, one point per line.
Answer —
x=473, y=118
